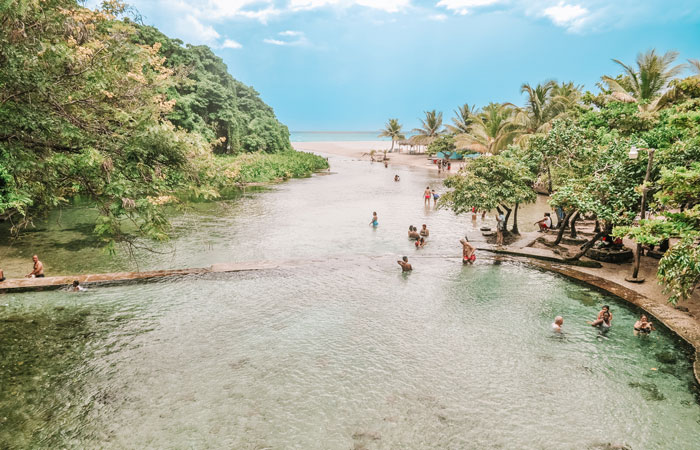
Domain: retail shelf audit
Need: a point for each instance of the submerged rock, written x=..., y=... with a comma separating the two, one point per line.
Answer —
x=651, y=392
x=666, y=357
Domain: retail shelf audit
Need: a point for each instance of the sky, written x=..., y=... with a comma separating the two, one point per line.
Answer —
x=350, y=65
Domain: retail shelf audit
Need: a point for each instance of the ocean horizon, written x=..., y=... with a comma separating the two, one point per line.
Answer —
x=336, y=136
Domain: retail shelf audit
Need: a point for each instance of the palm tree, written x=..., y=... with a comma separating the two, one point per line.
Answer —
x=695, y=66
x=431, y=127
x=492, y=130
x=392, y=129
x=648, y=82
x=464, y=117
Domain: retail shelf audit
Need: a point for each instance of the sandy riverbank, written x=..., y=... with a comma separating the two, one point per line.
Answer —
x=361, y=149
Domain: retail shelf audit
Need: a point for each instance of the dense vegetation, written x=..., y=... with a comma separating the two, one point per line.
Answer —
x=96, y=106
x=578, y=147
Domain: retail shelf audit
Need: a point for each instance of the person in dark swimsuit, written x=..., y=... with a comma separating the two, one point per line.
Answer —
x=643, y=327
x=38, y=271
x=2, y=276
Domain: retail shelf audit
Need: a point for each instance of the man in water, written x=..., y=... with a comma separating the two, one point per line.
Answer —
x=643, y=327
x=436, y=197
x=374, y=221
x=397, y=178
x=76, y=287
x=413, y=233
x=424, y=231
x=405, y=266
x=38, y=271
x=558, y=322
x=468, y=250
x=427, y=195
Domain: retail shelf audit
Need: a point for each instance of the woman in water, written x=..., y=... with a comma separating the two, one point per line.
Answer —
x=603, y=323
x=420, y=242
x=643, y=327
x=374, y=221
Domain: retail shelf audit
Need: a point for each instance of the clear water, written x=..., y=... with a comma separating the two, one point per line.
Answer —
x=341, y=352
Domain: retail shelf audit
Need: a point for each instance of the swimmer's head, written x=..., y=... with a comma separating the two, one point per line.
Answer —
x=405, y=259
x=559, y=320
x=76, y=283
x=606, y=308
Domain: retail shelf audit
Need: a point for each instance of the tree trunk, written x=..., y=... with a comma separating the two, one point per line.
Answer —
x=549, y=175
x=597, y=226
x=573, y=224
x=586, y=246
x=515, y=230
x=392, y=146
x=505, y=222
x=564, y=223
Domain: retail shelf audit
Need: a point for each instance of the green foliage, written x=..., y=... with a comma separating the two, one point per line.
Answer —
x=211, y=102
x=487, y=183
x=264, y=167
x=679, y=269
x=444, y=144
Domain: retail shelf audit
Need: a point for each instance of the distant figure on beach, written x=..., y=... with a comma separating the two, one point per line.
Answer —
x=424, y=231
x=556, y=325
x=427, y=195
x=397, y=178
x=545, y=223
x=436, y=197
x=643, y=327
x=500, y=228
x=474, y=214
x=386, y=164
x=2, y=276
x=76, y=287
x=420, y=242
x=413, y=233
x=374, y=221
x=468, y=251
x=405, y=266
x=38, y=271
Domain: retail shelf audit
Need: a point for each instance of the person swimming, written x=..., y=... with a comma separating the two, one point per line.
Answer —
x=603, y=324
x=374, y=222
x=556, y=325
x=405, y=266
x=643, y=327
x=397, y=178
x=468, y=251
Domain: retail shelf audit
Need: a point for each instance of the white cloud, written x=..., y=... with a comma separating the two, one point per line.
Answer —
x=230, y=43
x=217, y=10
x=391, y=6
x=461, y=7
x=299, y=35
x=568, y=16
x=438, y=17
x=196, y=32
x=291, y=33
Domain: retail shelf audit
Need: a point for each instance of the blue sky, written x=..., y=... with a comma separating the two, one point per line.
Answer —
x=352, y=64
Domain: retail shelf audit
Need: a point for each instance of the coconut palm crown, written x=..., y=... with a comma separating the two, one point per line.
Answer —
x=648, y=81
x=431, y=128
x=492, y=130
x=464, y=117
x=392, y=129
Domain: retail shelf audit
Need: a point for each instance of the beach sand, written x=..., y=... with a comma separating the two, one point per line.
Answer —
x=361, y=149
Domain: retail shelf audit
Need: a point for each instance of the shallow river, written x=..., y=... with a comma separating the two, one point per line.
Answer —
x=339, y=352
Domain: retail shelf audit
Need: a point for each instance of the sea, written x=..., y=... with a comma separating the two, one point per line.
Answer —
x=338, y=136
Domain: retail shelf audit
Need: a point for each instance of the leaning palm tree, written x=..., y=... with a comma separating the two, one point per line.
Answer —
x=492, y=130
x=392, y=129
x=464, y=117
x=695, y=66
x=648, y=82
x=431, y=128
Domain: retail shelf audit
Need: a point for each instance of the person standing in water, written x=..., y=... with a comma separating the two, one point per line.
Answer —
x=424, y=231
x=374, y=221
x=436, y=197
x=556, y=325
x=427, y=195
x=643, y=327
x=38, y=271
x=397, y=178
x=405, y=266
x=468, y=251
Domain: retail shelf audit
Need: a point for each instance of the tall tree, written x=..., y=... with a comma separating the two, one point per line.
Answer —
x=492, y=130
x=646, y=83
x=464, y=117
x=392, y=129
x=431, y=128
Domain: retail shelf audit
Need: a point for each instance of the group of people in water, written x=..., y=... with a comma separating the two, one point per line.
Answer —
x=642, y=327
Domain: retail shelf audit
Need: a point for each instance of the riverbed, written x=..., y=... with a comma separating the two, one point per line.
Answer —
x=342, y=352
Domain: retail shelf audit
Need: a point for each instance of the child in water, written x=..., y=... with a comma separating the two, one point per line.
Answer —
x=374, y=221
